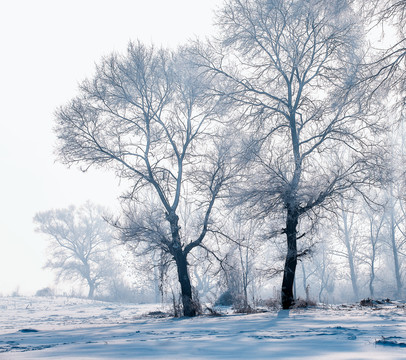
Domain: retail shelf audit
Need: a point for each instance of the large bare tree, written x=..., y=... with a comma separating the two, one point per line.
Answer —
x=149, y=116
x=290, y=68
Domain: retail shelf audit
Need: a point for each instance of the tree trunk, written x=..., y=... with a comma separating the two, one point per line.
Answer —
x=371, y=279
x=351, y=263
x=304, y=277
x=245, y=272
x=291, y=258
x=395, y=254
x=91, y=288
x=182, y=267
x=372, y=275
x=323, y=279
x=185, y=285
x=91, y=282
x=157, y=289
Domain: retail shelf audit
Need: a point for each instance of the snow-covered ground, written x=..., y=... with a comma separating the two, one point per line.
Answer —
x=66, y=328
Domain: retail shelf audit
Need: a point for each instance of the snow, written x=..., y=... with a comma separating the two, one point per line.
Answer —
x=68, y=328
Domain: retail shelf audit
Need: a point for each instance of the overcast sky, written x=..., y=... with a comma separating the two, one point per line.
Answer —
x=47, y=48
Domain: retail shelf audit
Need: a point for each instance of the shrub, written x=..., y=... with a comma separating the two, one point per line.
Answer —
x=301, y=303
x=271, y=303
x=225, y=299
x=45, y=292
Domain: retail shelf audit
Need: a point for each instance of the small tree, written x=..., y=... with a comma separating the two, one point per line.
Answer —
x=351, y=241
x=372, y=248
x=80, y=241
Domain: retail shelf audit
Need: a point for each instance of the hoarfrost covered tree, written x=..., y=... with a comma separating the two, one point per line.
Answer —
x=376, y=223
x=247, y=247
x=397, y=239
x=318, y=273
x=80, y=241
x=387, y=69
x=351, y=240
x=149, y=116
x=242, y=249
x=324, y=272
x=290, y=67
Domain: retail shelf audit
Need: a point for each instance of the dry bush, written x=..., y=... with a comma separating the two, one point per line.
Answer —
x=158, y=314
x=46, y=292
x=271, y=303
x=301, y=303
x=227, y=298
x=213, y=312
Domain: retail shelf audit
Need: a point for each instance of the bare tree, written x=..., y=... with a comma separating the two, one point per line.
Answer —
x=395, y=208
x=79, y=243
x=376, y=222
x=243, y=249
x=324, y=273
x=291, y=67
x=395, y=220
x=351, y=241
x=149, y=116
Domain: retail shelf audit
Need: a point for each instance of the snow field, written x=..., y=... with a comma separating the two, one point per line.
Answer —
x=65, y=328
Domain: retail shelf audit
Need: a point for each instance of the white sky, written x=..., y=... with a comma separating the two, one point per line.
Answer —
x=47, y=48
